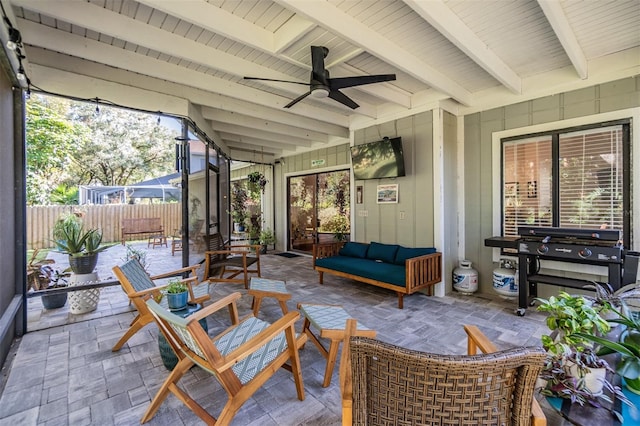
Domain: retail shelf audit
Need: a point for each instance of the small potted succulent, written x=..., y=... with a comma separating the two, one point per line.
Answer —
x=177, y=294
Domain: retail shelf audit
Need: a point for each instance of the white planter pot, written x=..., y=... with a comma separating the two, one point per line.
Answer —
x=593, y=380
x=83, y=301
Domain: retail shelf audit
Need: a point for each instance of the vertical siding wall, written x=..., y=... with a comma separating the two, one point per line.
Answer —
x=383, y=222
x=478, y=129
x=11, y=293
x=335, y=158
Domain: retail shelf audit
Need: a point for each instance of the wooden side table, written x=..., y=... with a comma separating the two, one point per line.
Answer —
x=264, y=287
x=157, y=240
x=330, y=320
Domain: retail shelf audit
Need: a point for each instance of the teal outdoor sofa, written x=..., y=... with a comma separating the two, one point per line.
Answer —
x=401, y=269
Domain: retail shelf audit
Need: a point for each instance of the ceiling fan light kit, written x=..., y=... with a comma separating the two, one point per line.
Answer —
x=322, y=86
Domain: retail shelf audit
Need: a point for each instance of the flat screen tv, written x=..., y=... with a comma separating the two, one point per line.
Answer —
x=377, y=160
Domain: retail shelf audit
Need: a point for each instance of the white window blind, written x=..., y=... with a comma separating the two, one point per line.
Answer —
x=589, y=185
x=591, y=179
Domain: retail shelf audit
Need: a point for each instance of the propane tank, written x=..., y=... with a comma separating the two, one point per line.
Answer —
x=465, y=278
x=505, y=279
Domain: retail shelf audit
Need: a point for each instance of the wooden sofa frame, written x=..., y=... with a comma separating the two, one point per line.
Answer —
x=139, y=226
x=421, y=272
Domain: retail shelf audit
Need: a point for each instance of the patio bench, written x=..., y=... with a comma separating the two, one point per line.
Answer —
x=142, y=226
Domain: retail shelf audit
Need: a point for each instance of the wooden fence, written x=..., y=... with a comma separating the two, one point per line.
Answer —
x=108, y=218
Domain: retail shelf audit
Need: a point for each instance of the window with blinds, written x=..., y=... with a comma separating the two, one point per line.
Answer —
x=570, y=179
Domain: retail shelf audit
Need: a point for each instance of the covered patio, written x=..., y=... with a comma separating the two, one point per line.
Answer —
x=67, y=374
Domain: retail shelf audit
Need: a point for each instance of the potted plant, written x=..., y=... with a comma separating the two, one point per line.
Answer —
x=267, y=237
x=82, y=246
x=257, y=180
x=571, y=362
x=54, y=279
x=628, y=347
x=238, y=206
x=614, y=300
x=177, y=294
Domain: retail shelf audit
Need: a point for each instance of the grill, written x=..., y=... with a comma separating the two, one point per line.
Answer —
x=601, y=247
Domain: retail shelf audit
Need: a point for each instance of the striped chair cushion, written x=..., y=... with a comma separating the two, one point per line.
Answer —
x=256, y=362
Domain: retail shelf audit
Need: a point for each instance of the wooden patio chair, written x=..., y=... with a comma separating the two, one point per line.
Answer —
x=230, y=264
x=242, y=358
x=383, y=384
x=139, y=286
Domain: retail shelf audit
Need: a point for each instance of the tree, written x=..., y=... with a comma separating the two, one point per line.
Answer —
x=124, y=147
x=52, y=141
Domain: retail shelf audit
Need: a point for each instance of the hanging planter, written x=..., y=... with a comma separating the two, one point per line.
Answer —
x=257, y=179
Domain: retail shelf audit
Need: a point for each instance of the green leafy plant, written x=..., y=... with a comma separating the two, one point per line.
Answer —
x=70, y=237
x=628, y=347
x=238, y=203
x=267, y=237
x=569, y=315
x=176, y=286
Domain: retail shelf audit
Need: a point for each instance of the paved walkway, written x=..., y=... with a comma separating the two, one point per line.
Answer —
x=68, y=374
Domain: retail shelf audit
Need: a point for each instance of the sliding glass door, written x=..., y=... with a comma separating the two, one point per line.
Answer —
x=319, y=209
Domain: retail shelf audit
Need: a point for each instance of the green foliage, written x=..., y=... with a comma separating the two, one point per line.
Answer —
x=239, y=199
x=139, y=255
x=52, y=140
x=267, y=237
x=70, y=237
x=68, y=144
x=176, y=286
x=570, y=315
x=628, y=346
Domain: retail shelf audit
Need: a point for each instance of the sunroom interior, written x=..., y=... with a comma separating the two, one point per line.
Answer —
x=489, y=99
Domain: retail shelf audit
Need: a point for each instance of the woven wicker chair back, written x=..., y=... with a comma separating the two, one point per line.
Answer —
x=393, y=385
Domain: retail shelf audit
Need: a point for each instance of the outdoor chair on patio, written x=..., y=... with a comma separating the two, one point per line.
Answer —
x=230, y=264
x=384, y=384
x=242, y=358
x=139, y=286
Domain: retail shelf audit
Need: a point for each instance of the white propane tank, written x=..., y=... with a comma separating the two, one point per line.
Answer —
x=505, y=279
x=465, y=278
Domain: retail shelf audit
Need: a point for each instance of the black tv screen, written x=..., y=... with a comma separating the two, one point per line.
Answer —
x=377, y=160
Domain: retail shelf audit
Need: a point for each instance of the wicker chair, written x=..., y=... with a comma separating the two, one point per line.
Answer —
x=390, y=385
x=222, y=259
x=139, y=286
x=242, y=358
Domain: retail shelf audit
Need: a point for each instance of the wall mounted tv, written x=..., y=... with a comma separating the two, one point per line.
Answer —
x=377, y=160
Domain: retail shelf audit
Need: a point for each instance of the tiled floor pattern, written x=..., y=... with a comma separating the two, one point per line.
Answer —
x=67, y=374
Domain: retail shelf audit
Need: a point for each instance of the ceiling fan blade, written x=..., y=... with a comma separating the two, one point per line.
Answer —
x=342, y=82
x=296, y=100
x=343, y=99
x=271, y=79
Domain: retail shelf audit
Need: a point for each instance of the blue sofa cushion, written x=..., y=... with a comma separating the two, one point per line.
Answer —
x=405, y=253
x=353, y=249
x=380, y=271
x=383, y=252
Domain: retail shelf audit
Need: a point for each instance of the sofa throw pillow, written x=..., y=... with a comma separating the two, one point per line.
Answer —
x=353, y=249
x=384, y=252
x=405, y=253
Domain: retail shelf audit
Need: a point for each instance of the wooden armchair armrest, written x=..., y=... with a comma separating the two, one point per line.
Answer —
x=229, y=301
x=193, y=269
x=147, y=292
x=477, y=340
x=286, y=324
